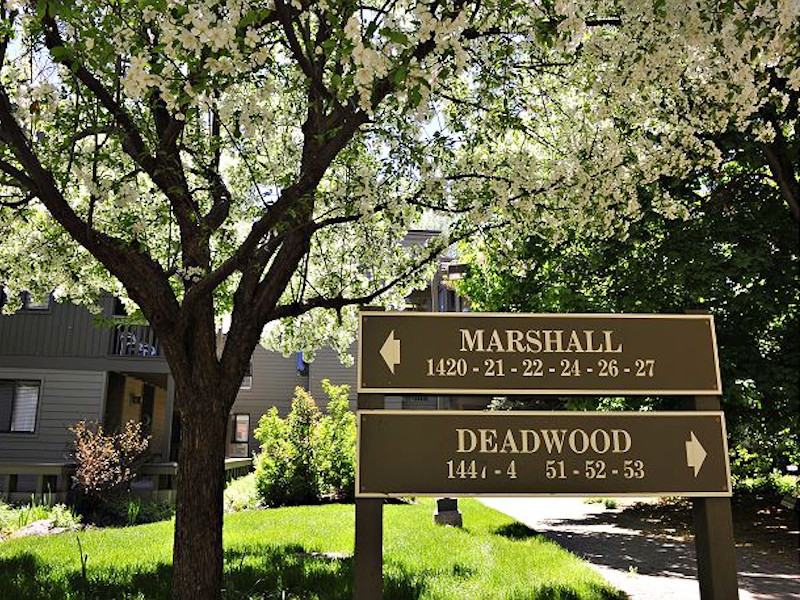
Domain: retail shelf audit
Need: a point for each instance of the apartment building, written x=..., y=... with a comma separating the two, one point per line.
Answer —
x=59, y=364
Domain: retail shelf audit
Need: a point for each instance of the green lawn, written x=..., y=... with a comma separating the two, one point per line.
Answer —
x=304, y=552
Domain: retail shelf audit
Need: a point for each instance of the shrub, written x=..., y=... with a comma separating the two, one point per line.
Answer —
x=7, y=517
x=272, y=465
x=307, y=455
x=106, y=463
x=152, y=512
x=242, y=494
x=129, y=510
x=285, y=472
x=336, y=444
x=63, y=516
x=301, y=427
x=774, y=484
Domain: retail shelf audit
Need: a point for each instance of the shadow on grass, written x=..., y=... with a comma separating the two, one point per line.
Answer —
x=515, y=531
x=264, y=573
x=257, y=572
x=564, y=592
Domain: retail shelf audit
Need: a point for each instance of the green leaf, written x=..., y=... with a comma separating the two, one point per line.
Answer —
x=400, y=74
x=62, y=54
x=398, y=37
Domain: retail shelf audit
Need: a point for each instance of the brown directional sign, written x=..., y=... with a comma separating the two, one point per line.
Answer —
x=486, y=353
x=469, y=453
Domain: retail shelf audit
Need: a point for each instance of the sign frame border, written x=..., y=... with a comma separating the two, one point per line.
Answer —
x=535, y=391
x=727, y=493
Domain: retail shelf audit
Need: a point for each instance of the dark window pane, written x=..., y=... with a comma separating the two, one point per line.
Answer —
x=247, y=380
x=31, y=303
x=6, y=403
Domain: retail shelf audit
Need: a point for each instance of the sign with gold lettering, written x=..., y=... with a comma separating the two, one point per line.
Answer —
x=469, y=453
x=487, y=353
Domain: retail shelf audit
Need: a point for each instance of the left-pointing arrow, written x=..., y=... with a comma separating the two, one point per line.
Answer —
x=390, y=351
x=695, y=454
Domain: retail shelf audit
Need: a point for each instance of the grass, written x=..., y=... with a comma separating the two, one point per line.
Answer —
x=305, y=552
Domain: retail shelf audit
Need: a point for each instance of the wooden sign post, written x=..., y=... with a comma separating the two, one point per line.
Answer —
x=461, y=453
x=368, y=555
x=714, y=544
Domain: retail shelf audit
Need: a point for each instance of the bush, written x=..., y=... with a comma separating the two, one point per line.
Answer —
x=242, y=494
x=335, y=444
x=152, y=512
x=129, y=510
x=773, y=484
x=107, y=461
x=7, y=517
x=307, y=455
x=105, y=464
x=285, y=473
x=272, y=465
x=63, y=516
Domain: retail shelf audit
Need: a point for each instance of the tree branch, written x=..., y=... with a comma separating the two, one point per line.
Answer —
x=295, y=309
x=285, y=17
x=132, y=141
x=169, y=180
x=138, y=272
x=783, y=173
x=14, y=172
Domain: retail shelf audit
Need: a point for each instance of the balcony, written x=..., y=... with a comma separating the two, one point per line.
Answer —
x=135, y=340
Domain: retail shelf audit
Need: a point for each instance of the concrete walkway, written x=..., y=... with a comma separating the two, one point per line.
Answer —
x=644, y=567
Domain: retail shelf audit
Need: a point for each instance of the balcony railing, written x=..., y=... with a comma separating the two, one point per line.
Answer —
x=53, y=480
x=135, y=340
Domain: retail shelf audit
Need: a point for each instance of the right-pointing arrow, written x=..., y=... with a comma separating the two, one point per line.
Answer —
x=695, y=454
x=390, y=351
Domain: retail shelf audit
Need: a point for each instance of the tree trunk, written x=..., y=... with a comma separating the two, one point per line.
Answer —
x=197, y=551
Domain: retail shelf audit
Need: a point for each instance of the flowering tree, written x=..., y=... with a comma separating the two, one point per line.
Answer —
x=263, y=158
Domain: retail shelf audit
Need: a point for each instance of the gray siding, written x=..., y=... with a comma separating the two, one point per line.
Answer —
x=327, y=365
x=65, y=398
x=65, y=330
x=275, y=378
x=65, y=337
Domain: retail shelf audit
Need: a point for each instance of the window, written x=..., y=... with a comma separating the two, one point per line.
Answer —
x=241, y=428
x=19, y=402
x=240, y=435
x=247, y=380
x=29, y=303
x=119, y=308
